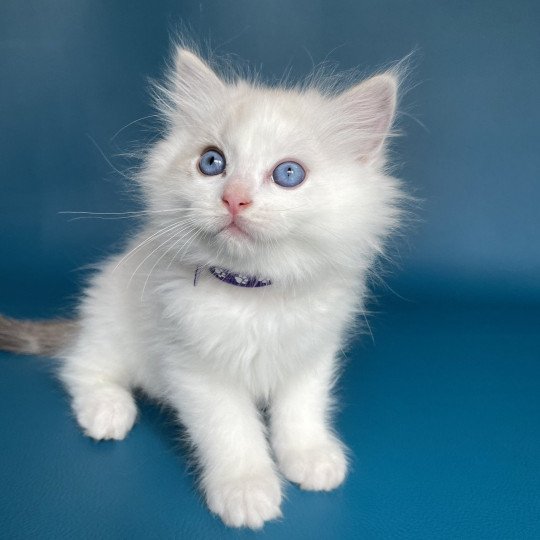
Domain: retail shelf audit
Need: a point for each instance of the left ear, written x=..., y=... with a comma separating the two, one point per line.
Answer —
x=366, y=112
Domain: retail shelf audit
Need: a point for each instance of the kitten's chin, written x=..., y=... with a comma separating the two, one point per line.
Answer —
x=235, y=240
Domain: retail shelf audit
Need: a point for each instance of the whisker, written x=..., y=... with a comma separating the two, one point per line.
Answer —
x=160, y=232
x=161, y=257
x=130, y=213
x=131, y=123
x=194, y=234
x=107, y=159
x=147, y=257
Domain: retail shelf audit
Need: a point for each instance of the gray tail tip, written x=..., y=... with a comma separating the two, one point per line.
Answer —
x=35, y=337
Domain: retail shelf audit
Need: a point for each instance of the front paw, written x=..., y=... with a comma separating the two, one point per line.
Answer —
x=319, y=467
x=107, y=413
x=246, y=501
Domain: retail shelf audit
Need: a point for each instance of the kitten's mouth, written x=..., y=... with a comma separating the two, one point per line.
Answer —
x=235, y=231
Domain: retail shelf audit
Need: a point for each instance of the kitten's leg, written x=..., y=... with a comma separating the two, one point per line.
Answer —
x=238, y=473
x=307, y=451
x=101, y=399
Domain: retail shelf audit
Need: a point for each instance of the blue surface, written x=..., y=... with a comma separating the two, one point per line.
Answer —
x=441, y=410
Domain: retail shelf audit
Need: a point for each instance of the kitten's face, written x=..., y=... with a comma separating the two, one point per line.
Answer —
x=244, y=212
x=255, y=133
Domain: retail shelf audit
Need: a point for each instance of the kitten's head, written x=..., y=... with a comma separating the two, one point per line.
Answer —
x=281, y=183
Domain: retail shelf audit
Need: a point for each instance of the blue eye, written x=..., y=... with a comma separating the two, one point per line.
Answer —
x=212, y=162
x=288, y=174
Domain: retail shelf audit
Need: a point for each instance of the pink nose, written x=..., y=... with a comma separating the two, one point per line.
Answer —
x=236, y=201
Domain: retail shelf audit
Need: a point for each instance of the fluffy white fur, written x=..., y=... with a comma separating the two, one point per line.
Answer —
x=216, y=353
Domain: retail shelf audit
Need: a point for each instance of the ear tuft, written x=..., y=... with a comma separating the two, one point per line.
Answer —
x=369, y=108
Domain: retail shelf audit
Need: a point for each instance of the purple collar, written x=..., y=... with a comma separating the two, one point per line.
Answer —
x=233, y=278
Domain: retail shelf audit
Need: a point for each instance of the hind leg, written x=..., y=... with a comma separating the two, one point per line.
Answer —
x=101, y=398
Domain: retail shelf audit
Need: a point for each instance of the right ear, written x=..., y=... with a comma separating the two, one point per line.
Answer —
x=195, y=86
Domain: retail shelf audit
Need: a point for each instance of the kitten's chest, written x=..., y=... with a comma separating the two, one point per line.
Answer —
x=255, y=334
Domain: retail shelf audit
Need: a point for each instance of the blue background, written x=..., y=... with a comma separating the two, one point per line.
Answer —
x=441, y=407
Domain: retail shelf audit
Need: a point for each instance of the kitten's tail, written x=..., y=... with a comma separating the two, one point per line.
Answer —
x=35, y=337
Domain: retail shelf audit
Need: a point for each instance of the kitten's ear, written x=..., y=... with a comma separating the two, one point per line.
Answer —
x=194, y=74
x=366, y=114
x=195, y=86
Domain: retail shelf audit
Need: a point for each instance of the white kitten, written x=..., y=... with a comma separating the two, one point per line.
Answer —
x=298, y=239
